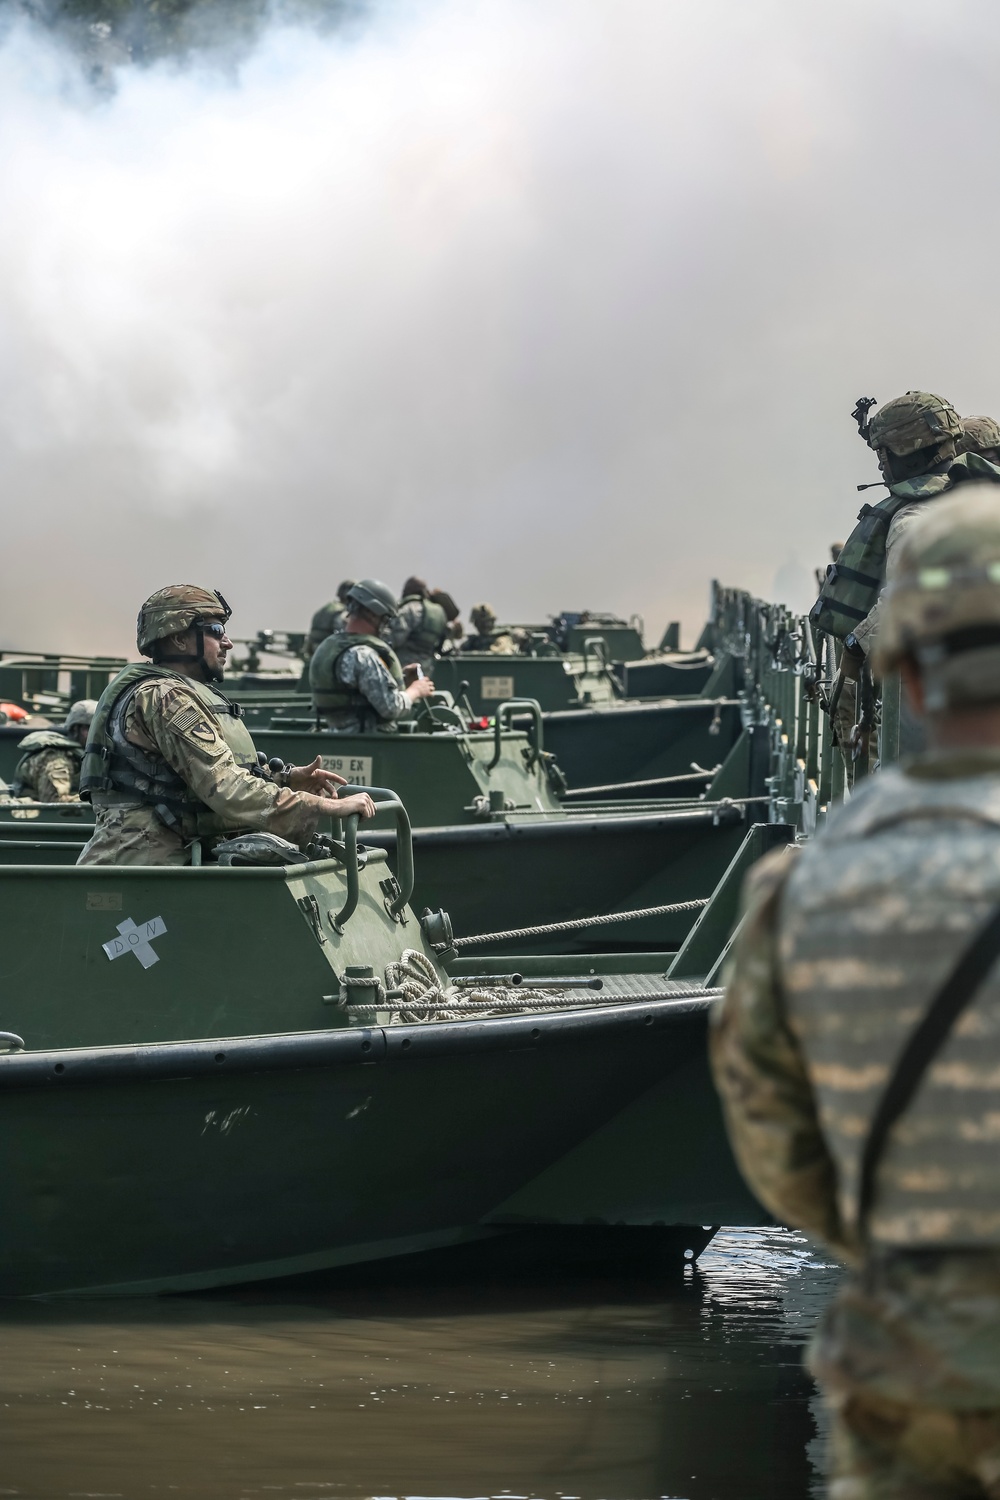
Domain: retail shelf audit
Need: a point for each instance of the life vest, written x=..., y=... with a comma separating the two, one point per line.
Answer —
x=325, y=622
x=428, y=636
x=873, y=917
x=329, y=694
x=33, y=744
x=855, y=580
x=111, y=763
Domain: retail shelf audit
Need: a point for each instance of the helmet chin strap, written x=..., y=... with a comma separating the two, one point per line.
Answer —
x=208, y=674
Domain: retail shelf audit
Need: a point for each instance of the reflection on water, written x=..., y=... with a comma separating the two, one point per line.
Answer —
x=606, y=1390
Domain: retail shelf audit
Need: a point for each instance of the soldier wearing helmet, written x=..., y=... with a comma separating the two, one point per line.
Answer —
x=421, y=624
x=169, y=759
x=980, y=435
x=357, y=682
x=328, y=620
x=917, y=438
x=857, y=1050
x=49, y=768
x=485, y=636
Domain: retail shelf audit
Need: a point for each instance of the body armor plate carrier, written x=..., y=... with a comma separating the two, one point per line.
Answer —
x=329, y=693
x=111, y=763
x=855, y=580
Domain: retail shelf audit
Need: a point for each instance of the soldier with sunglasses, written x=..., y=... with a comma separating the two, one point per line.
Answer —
x=169, y=759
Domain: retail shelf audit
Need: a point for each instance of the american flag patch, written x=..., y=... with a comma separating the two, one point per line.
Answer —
x=186, y=718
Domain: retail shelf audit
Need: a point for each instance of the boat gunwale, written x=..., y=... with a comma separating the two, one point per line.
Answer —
x=336, y=1047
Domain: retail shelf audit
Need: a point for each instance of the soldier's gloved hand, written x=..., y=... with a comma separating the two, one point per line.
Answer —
x=343, y=807
x=314, y=778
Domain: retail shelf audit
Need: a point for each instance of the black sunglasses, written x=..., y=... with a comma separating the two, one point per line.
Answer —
x=210, y=627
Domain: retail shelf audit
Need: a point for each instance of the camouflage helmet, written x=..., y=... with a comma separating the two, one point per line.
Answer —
x=483, y=616
x=175, y=609
x=942, y=607
x=377, y=598
x=82, y=712
x=914, y=421
x=979, y=435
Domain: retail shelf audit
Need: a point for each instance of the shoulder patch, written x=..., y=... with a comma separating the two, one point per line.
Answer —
x=185, y=718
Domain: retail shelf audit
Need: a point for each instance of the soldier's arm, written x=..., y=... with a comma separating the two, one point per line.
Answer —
x=176, y=724
x=761, y=1075
x=364, y=669
x=56, y=778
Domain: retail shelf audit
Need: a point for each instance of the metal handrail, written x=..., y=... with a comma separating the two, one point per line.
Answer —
x=600, y=647
x=383, y=797
x=503, y=710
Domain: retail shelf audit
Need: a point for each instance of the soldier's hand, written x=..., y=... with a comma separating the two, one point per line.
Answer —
x=422, y=688
x=313, y=778
x=410, y=673
x=359, y=803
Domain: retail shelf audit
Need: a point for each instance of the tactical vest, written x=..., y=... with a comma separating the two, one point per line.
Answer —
x=32, y=745
x=111, y=763
x=329, y=694
x=873, y=918
x=855, y=580
x=426, y=639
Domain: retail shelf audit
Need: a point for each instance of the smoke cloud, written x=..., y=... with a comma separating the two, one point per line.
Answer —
x=558, y=303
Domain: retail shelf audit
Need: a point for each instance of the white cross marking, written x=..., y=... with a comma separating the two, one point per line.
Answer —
x=137, y=940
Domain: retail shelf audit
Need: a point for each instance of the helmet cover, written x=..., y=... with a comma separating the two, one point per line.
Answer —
x=914, y=421
x=174, y=609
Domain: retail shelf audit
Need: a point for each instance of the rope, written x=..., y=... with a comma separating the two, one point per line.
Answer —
x=579, y=924
x=424, y=999
x=530, y=1000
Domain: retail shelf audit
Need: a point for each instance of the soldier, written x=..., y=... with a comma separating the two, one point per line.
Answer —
x=356, y=679
x=419, y=627
x=980, y=435
x=328, y=620
x=169, y=760
x=49, y=768
x=858, y=1047
x=486, y=637
x=916, y=438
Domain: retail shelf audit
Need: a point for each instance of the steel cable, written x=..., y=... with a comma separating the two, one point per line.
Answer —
x=579, y=924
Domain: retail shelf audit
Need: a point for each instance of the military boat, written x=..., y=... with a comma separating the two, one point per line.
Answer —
x=222, y=1073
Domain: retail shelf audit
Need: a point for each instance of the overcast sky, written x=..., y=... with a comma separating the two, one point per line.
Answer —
x=560, y=303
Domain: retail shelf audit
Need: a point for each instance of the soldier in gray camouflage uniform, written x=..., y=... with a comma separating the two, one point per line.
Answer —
x=419, y=628
x=843, y=949
x=49, y=768
x=355, y=676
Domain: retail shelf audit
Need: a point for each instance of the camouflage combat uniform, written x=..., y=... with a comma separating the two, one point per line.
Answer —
x=49, y=768
x=418, y=631
x=843, y=947
x=357, y=684
x=179, y=725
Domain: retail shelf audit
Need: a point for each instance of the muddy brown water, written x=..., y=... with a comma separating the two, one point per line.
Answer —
x=376, y=1384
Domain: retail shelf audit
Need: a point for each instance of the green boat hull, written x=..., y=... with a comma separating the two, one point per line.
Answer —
x=167, y=1168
